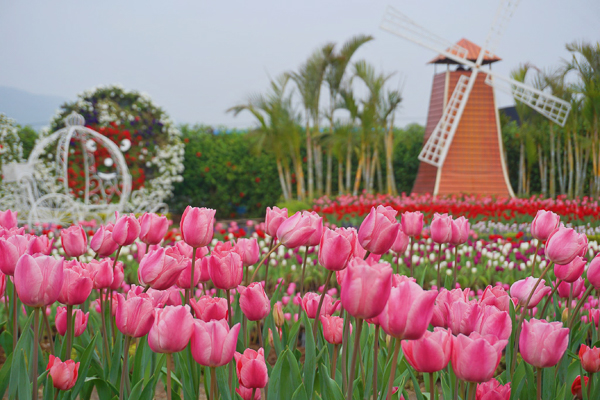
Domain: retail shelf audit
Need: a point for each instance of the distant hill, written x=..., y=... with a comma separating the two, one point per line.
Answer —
x=28, y=108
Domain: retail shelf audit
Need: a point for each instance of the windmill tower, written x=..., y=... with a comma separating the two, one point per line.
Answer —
x=463, y=152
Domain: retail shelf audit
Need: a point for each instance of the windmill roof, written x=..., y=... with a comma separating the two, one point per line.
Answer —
x=473, y=52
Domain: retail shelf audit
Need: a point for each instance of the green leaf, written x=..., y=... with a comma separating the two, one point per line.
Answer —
x=4, y=374
x=223, y=383
x=300, y=393
x=285, y=376
x=140, y=361
x=310, y=358
x=331, y=390
x=85, y=361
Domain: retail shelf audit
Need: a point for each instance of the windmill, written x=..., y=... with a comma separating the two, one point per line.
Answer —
x=463, y=143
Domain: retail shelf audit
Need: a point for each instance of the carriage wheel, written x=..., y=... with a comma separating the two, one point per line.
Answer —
x=54, y=208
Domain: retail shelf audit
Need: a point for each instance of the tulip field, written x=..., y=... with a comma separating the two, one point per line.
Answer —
x=364, y=297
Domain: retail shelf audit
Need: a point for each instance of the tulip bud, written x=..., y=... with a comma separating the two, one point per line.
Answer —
x=225, y=267
x=441, y=228
x=571, y=271
x=159, y=270
x=153, y=228
x=64, y=374
x=366, y=288
x=197, y=226
x=80, y=321
x=273, y=219
x=301, y=229
x=251, y=368
x=412, y=223
x=248, y=250
x=564, y=245
x=213, y=343
x=171, y=330
x=254, y=302
x=590, y=358
x=38, y=280
x=493, y=390
x=430, y=353
x=522, y=289
x=593, y=272
x=544, y=224
x=337, y=247
x=542, y=344
x=576, y=386
x=126, y=229
x=77, y=284
x=487, y=350
x=378, y=230
x=278, y=315
x=74, y=241
x=102, y=242
x=8, y=219
x=208, y=308
x=460, y=231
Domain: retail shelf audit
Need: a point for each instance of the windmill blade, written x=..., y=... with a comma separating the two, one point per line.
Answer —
x=436, y=148
x=400, y=25
x=504, y=13
x=553, y=108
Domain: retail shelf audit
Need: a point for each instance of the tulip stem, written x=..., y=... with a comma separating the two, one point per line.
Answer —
x=15, y=301
x=260, y=336
x=473, y=389
x=522, y=318
x=375, y=365
x=578, y=307
x=345, y=351
x=245, y=330
x=69, y=331
x=271, y=243
x=589, y=386
x=230, y=318
x=263, y=261
x=169, y=367
x=455, y=269
x=549, y=299
x=190, y=293
x=213, y=383
x=359, y=324
x=410, y=252
x=49, y=330
x=104, y=334
x=334, y=360
x=432, y=389
x=539, y=383
x=534, y=262
x=393, y=370
x=36, y=339
x=439, y=268
x=302, y=281
x=125, y=372
x=318, y=314
x=253, y=393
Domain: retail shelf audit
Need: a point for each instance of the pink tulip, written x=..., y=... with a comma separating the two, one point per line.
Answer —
x=64, y=374
x=171, y=330
x=225, y=267
x=333, y=328
x=187, y=251
x=251, y=368
x=564, y=289
x=208, y=308
x=337, y=247
x=542, y=344
x=8, y=219
x=273, y=219
x=447, y=297
x=571, y=271
x=159, y=270
x=173, y=296
x=40, y=245
x=126, y=229
x=77, y=284
x=366, y=288
x=378, y=230
x=248, y=250
x=11, y=250
x=213, y=343
x=135, y=315
x=401, y=243
x=441, y=228
x=79, y=322
x=102, y=242
x=310, y=303
x=522, y=289
x=475, y=357
x=412, y=223
x=564, y=245
x=74, y=241
x=492, y=390
x=463, y=317
x=38, y=280
x=496, y=296
x=593, y=272
x=430, y=353
x=197, y=225
x=460, y=231
x=2, y=284
x=246, y=393
x=408, y=311
x=254, y=301
x=590, y=358
x=118, y=276
x=544, y=224
x=299, y=229
x=153, y=228
x=494, y=322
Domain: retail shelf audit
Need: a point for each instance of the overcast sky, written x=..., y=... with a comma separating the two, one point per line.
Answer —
x=198, y=58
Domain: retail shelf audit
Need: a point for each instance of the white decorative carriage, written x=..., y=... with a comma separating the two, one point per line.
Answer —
x=42, y=190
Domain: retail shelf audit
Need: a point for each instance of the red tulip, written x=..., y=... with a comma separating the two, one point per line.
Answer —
x=208, y=308
x=273, y=219
x=542, y=344
x=571, y=271
x=333, y=328
x=64, y=374
x=522, y=289
x=408, y=311
x=441, y=228
x=544, y=224
x=460, y=231
x=8, y=219
x=475, y=357
x=590, y=358
x=310, y=303
x=77, y=284
x=159, y=270
x=337, y=247
x=564, y=245
x=225, y=267
x=366, y=288
x=430, y=353
x=378, y=230
x=153, y=228
x=79, y=322
x=73, y=241
x=171, y=330
x=576, y=386
x=254, y=301
x=102, y=242
x=301, y=229
x=135, y=315
x=251, y=368
x=412, y=223
x=38, y=280
x=213, y=343
x=126, y=229
x=248, y=250
x=492, y=390
x=197, y=225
